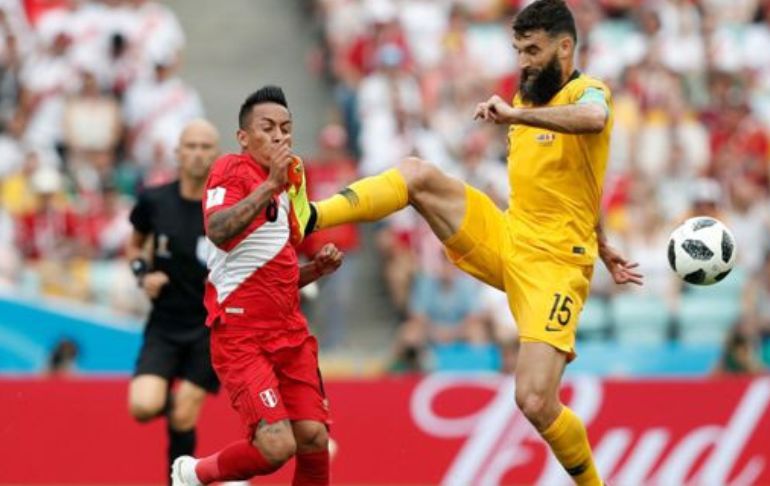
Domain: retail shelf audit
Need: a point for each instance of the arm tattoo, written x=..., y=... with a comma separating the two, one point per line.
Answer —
x=227, y=223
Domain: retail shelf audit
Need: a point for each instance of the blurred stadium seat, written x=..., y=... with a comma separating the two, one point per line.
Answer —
x=465, y=357
x=594, y=320
x=706, y=319
x=639, y=319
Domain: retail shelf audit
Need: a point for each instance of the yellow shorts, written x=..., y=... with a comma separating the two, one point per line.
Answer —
x=545, y=295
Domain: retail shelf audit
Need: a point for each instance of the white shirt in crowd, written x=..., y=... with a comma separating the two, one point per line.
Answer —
x=156, y=112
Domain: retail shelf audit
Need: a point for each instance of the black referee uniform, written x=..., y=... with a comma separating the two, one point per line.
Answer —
x=176, y=339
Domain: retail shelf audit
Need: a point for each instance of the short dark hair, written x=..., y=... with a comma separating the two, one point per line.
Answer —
x=265, y=94
x=553, y=16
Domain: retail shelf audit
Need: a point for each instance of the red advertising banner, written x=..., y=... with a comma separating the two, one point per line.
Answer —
x=438, y=429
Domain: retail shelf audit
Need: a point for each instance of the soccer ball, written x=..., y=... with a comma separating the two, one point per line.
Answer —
x=701, y=251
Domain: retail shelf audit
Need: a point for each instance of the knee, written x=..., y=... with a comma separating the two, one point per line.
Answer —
x=144, y=411
x=276, y=449
x=183, y=416
x=314, y=439
x=537, y=405
x=418, y=174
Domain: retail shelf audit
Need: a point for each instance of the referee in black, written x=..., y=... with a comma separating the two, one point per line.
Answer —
x=167, y=254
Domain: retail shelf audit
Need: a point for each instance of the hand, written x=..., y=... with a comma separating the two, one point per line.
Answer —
x=621, y=270
x=496, y=110
x=153, y=283
x=279, y=159
x=327, y=260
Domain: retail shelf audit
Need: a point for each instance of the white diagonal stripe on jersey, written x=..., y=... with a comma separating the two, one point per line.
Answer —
x=228, y=270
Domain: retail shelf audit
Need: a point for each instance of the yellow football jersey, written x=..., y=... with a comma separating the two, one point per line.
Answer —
x=556, y=180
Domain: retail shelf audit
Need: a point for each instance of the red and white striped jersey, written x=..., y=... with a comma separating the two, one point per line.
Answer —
x=253, y=278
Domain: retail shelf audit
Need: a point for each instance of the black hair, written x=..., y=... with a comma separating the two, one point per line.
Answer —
x=553, y=16
x=265, y=94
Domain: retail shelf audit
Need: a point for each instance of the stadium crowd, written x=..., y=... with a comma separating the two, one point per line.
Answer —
x=90, y=111
x=691, y=85
x=91, y=105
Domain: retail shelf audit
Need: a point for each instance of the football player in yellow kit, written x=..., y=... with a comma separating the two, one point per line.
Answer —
x=541, y=250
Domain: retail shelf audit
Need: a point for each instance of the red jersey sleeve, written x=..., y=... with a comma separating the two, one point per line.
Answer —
x=223, y=189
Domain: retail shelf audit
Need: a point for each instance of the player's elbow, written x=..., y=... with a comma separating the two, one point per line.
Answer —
x=216, y=233
x=595, y=119
x=215, y=238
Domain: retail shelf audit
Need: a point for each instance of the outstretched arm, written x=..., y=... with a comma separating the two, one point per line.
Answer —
x=326, y=261
x=581, y=117
x=620, y=268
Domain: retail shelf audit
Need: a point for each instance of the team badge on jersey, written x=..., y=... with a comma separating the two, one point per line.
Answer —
x=545, y=138
x=162, y=249
x=215, y=197
x=269, y=398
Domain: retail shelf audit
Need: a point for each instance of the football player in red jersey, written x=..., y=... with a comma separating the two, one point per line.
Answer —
x=261, y=348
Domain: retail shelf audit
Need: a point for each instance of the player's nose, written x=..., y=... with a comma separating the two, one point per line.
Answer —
x=524, y=62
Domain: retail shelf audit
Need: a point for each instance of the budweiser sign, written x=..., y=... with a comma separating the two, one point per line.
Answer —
x=672, y=436
x=451, y=430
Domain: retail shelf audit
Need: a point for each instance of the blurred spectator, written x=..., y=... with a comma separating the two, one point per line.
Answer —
x=328, y=172
x=398, y=259
x=10, y=64
x=739, y=146
x=155, y=111
x=152, y=28
x=356, y=56
x=49, y=238
x=646, y=241
x=443, y=309
x=10, y=261
x=91, y=119
x=389, y=105
x=16, y=193
x=107, y=226
x=481, y=171
x=50, y=229
x=92, y=128
x=497, y=318
x=739, y=355
x=706, y=199
x=756, y=307
x=680, y=46
x=47, y=77
x=749, y=220
x=63, y=359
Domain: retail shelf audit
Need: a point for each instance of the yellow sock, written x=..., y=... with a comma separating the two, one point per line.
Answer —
x=369, y=199
x=569, y=443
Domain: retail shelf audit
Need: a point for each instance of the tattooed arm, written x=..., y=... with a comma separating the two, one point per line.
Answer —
x=227, y=223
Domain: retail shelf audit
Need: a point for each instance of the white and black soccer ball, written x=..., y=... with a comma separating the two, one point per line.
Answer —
x=701, y=251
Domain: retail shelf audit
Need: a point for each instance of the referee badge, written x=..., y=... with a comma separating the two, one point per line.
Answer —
x=269, y=398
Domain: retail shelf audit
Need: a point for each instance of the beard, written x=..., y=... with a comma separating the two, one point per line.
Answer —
x=538, y=87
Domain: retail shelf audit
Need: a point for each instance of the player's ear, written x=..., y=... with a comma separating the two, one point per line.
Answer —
x=566, y=46
x=242, y=138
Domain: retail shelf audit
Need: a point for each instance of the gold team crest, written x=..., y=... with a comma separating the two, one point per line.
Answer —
x=546, y=138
